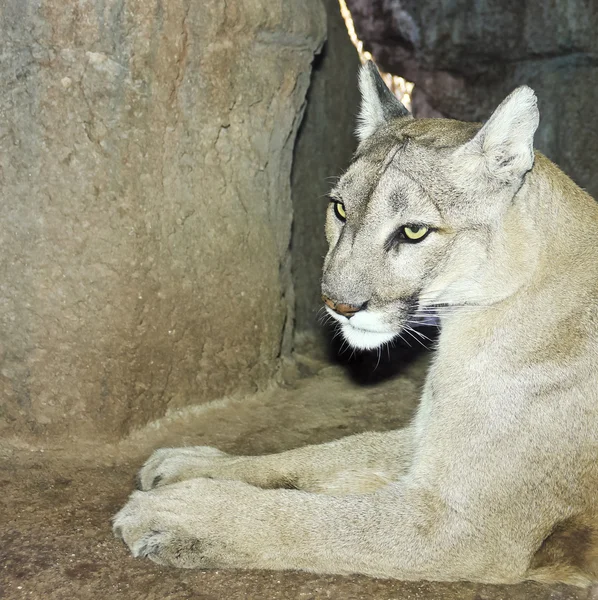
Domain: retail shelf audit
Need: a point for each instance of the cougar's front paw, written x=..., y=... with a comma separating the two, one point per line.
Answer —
x=169, y=465
x=176, y=525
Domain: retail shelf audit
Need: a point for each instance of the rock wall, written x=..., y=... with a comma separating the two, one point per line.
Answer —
x=325, y=144
x=145, y=204
x=464, y=56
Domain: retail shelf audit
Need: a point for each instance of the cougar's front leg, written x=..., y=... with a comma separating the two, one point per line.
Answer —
x=355, y=464
x=401, y=531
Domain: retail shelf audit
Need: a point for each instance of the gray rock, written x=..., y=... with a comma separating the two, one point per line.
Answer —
x=145, y=204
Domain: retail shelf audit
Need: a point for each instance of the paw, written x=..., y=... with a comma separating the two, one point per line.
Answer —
x=200, y=523
x=169, y=465
x=151, y=530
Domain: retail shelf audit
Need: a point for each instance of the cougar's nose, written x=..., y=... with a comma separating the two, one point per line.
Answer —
x=347, y=310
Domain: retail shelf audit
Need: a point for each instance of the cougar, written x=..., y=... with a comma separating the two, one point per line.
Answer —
x=496, y=478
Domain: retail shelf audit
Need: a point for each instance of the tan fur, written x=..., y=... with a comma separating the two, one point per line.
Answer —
x=496, y=480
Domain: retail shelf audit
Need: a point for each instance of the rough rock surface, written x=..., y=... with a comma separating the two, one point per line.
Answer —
x=145, y=205
x=324, y=147
x=465, y=56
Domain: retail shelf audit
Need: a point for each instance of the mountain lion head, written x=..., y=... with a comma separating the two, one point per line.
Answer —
x=422, y=219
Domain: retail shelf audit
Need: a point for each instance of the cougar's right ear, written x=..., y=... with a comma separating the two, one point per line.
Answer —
x=378, y=104
x=503, y=150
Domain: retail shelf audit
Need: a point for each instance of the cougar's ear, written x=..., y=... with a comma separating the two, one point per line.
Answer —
x=378, y=104
x=503, y=149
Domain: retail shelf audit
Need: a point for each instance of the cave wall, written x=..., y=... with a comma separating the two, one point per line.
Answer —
x=465, y=56
x=145, y=205
x=325, y=145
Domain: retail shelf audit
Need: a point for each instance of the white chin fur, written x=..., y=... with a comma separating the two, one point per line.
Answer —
x=365, y=330
x=365, y=340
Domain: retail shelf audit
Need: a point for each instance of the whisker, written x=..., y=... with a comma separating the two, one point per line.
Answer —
x=322, y=316
x=410, y=346
x=409, y=324
x=339, y=331
x=327, y=320
x=409, y=330
x=424, y=311
x=445, y=314
x=435, y=306
x=379, y=355
x=435, y=302
x=440, y=317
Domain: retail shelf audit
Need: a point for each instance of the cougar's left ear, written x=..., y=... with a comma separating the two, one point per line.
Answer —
x=503, y=149
x=378, y=104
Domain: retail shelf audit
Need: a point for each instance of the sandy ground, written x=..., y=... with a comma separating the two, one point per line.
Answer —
x=56, y=503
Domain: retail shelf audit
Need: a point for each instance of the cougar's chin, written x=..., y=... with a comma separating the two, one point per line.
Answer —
x=366, y=330
x=365, y=339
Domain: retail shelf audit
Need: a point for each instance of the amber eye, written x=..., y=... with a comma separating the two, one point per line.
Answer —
x=415, y=233
x=339, y=210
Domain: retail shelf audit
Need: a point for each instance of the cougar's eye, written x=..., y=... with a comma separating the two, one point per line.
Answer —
x=339, y=210
x=408, y=234
x=415, y=233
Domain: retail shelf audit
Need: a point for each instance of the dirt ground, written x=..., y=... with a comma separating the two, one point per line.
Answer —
x=56, y=503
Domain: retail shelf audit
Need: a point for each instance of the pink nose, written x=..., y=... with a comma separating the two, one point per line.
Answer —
x=342, y=309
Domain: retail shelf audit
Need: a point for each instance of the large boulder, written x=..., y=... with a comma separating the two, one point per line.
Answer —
x=145, y=204
x=464, y=56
